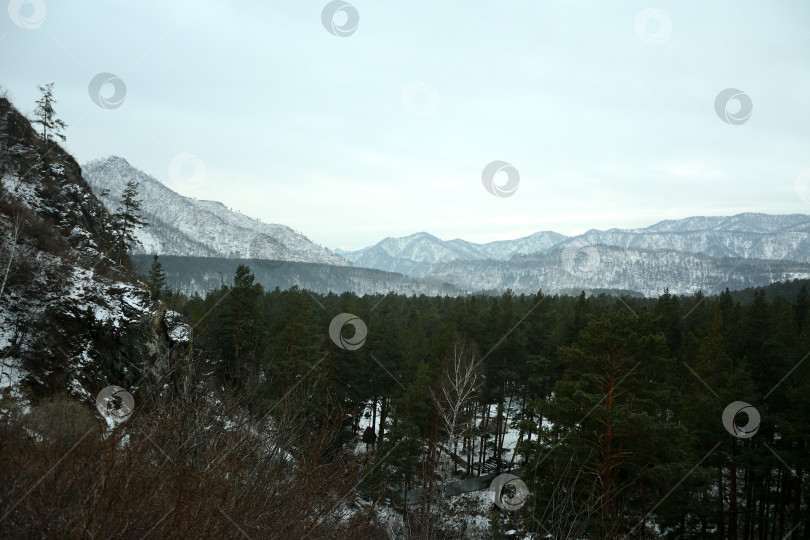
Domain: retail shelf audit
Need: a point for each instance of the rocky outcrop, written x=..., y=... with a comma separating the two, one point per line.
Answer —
x=72, y=319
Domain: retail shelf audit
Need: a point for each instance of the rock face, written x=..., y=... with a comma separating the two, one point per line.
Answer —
x=183, y=226
x=72, y=319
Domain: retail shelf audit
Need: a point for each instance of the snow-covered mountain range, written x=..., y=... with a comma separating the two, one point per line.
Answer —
x=420, y=254
x=575, y=267
x=181, y=225
x=754, y=236
x=750, y=236
x=686, y=255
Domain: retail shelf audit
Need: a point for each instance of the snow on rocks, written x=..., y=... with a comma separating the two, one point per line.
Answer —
x=176, y=327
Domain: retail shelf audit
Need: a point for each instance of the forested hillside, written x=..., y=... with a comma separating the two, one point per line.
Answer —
x=200, y=275
x=675, y=417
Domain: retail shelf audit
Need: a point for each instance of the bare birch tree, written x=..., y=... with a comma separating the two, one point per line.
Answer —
x=8, y=250
x=460, y=380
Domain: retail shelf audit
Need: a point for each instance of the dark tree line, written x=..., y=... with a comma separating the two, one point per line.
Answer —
x=618, y=402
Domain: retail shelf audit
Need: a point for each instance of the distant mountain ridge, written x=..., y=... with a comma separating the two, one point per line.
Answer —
x=706, y=253
x=183, y=226
x=420, y=254
x=749, y=235
x=745, y=222
x=601, y=267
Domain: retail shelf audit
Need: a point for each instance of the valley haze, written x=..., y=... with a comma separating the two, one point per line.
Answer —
x=684, y=256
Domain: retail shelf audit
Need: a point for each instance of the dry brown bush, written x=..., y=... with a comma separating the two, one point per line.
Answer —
x=60, y=421
x=163, y=474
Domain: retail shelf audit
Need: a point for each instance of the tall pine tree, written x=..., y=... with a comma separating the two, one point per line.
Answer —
x=156, y=280
x=127, y=219
x=45, y=116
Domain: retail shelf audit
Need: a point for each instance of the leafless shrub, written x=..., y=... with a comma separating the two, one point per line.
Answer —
x=176, y=468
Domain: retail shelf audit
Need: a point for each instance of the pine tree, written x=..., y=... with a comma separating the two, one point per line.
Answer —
x=156, y=280
x=668, y=309
x=296, y=344
x=45, y=116
x=802, y=308
x=127, y=219
x=239, y=332
x=610, y=415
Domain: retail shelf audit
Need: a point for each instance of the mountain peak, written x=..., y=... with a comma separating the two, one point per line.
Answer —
x=415, y=236
x=213, y=203
x=184, y=226
x=109, y=160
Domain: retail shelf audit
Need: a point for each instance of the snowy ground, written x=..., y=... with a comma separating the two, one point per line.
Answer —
x=471, y=510
x=11, y=371
x=510, y=438
x=11, y=375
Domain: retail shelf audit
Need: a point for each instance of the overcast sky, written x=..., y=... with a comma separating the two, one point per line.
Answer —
x=605, y=110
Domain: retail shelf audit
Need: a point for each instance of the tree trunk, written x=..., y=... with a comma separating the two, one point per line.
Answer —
x=797, y=498
x=374, y=415
x=777, y=504
x=721, y=518
x=485, y=426
x=499, y=423
x=749, y=482
x=732, y=497
x=643, y=510
x=605, y=473
x=765, y=507
x=383, y=413
x=14, y=239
